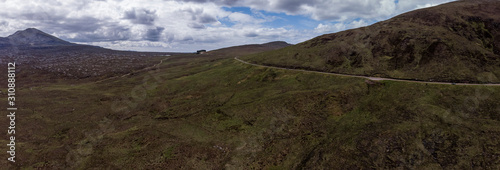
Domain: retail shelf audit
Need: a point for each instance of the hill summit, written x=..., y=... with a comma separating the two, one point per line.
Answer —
x=32, y=37
x=453, y=42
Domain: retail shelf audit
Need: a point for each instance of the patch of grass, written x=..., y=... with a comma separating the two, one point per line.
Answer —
x=222, y=113
x=169, y=153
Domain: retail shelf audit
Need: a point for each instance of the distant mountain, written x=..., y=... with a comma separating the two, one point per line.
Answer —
x=4, y=42
x=250, y=48
x=47, y=56
x=276, y=44
x=33, y=41
x=455, y=42
x=32, y=37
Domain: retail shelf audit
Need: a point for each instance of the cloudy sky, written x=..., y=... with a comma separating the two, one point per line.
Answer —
x=189, y=25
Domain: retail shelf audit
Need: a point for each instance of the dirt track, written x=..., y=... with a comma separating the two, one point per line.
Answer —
x=161, y=61
x=370, y=78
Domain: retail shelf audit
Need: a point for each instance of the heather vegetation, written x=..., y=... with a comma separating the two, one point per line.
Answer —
x=455, y=42
x=212, y=112
x=209, y=111
x=75, y=63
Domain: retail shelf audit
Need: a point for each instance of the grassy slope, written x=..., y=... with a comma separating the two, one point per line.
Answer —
x=205, y=112
x=455, y=42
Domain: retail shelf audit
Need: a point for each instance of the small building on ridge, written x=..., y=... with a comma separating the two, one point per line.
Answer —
x=201, y=51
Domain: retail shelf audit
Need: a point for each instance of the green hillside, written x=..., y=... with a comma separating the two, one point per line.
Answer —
x=205, y=112
x=454, y=42
x=210, y=111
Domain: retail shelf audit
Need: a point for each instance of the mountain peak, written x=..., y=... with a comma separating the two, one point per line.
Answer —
x=30, y=30
x=35, y=37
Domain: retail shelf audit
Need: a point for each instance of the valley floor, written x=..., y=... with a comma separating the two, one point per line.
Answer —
x=213, y=112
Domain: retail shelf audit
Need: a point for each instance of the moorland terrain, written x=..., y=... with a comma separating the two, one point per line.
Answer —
x=211, y=111
x=456, y=42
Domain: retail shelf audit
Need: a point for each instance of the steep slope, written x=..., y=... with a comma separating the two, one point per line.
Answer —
x=455, y=42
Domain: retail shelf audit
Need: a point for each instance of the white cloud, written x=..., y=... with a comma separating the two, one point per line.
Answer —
x=327, y=28
x=357, y=24
x=387, y=7
x=185, y=25
x=408, y=5
x=242, y=18
x=426, y=5
x=334, y=10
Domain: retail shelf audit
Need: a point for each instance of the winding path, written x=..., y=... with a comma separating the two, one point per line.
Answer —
x=367, y=77
x=161, y=61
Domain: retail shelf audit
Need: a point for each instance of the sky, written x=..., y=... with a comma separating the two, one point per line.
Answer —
x=190, y=25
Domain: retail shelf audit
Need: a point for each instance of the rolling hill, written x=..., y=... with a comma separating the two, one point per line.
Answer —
x=51, y=58
x=34, y=37
x=212, y=112
x=42, y=57
x=250, y=48
x=453, y=42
